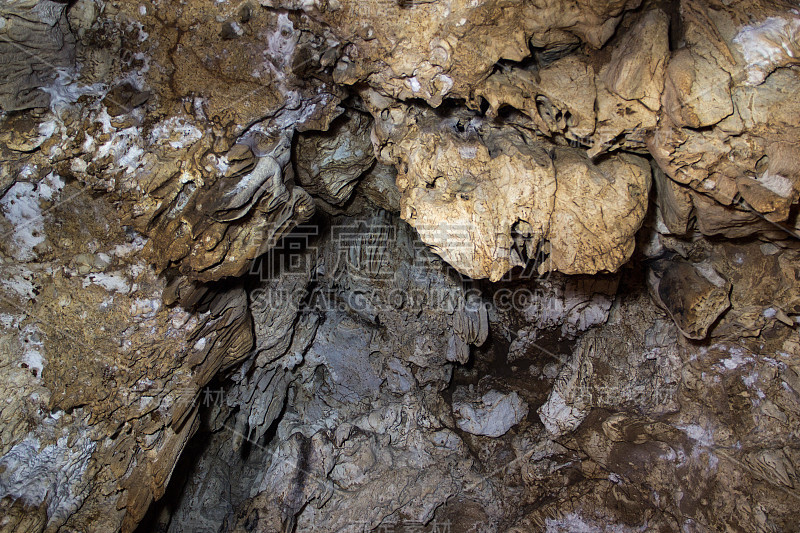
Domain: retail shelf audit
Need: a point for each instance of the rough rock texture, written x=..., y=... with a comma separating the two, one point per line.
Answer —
x=329, y=164
x=100, y=376
x=657, y=406
x=364, y=434
x=89, y=322
x=201, y=165
x=727, y=130
x=445, y=49
x=38, y=51
x=592, y=99
x=444, y=265
x=694, y=295
x=487, y=199
x=493, y=414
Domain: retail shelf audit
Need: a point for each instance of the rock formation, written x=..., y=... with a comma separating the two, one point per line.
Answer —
x=437, y=265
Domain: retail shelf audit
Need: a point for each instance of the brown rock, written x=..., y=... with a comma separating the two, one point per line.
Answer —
x=694, y=296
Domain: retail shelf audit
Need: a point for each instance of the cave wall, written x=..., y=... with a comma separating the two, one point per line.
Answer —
x=501, y=265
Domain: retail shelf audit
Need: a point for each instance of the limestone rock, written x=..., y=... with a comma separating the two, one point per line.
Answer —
x=188, y=344
x=724, y=131
x=330, y=163
x=559, y=98
x=768, y=44
x=380, y=188
x=590, y=99
x=179, y=170
x=444, y=50
x=760, y=288
x=493, y=414
x=346, y=447
x=674, y=203
x=38, y=50
x=101, y=377
x=607, y=199
x=694, y=296
x=461, y=184
x=573, y=304
x=697, y=91
x=636, y=69
x=443, y=175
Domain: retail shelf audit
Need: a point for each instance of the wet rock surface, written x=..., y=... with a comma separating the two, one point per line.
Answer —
x=410, y=265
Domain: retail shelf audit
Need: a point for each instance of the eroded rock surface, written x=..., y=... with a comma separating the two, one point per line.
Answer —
x=38, y=50
x=358, y=376
x=727, y=132
x=100, y=376
x=487, y=199
x=482, y=265
x=444, y=49
x=330, y=164
x=492, y=415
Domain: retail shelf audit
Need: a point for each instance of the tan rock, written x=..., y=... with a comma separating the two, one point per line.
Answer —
x=178, y=141
x=468, y=194
x=603, y=110
x=458, y=196
x=210, y=180
x=731, y=222
x=696, y=90
x=560, y=98
x=694, y=295
x=674, y=202
x=598, y=210
x=726, y=107
x=115, y=373
x=444, y=50
x=636, y=69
